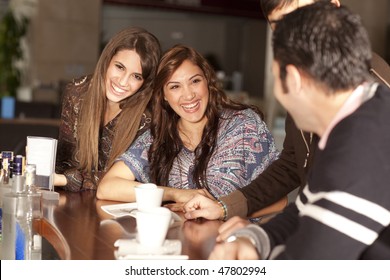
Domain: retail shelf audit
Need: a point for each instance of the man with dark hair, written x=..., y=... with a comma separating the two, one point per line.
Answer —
x=289, y=171
x=321, y=69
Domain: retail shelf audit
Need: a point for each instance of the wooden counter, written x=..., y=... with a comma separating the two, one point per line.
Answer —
x=79, y=230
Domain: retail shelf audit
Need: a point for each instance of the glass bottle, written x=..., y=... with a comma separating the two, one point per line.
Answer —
x=20, y=211
x=18, y=178
x=7, y=157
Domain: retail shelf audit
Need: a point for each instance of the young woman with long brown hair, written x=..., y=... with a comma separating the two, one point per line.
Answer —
x=103, y=113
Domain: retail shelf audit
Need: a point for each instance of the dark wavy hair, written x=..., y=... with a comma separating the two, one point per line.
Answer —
x=326, y=43
x=167, y=143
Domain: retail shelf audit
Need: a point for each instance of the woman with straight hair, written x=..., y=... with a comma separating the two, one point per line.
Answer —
x=103, y=113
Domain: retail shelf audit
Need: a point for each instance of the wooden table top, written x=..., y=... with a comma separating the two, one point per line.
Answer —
x=79, y=229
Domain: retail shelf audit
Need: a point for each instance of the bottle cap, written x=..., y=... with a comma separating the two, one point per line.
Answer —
x=18, y=165
x=7, y=154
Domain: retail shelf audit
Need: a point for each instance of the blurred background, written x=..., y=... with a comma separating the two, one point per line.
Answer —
x=62, y=40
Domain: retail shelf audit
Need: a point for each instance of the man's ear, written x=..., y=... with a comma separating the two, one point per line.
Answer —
x=293, y=79
x=336, y=2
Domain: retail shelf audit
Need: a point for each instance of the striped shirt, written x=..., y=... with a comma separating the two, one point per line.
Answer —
x=344, y=210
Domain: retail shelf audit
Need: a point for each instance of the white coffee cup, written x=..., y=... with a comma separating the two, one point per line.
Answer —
x=152, y=226
x=148, y=196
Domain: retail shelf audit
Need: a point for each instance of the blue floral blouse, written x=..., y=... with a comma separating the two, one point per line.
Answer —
x=245, y=148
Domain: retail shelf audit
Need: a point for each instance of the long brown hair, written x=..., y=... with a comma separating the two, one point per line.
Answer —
x=147, y=46
x=166, y=140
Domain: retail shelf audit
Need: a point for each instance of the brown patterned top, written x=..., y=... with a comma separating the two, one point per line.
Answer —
x=67, y=162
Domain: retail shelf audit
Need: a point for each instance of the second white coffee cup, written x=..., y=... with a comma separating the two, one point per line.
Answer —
x=152, y=226
x=148, y=196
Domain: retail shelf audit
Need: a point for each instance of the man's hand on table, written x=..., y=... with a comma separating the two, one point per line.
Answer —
x=230, y=247
x=201, y=206
x=182, y=197
x=240, y=249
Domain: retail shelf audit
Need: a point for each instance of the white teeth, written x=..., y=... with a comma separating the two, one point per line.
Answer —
x=191, y=106
x=119, y=90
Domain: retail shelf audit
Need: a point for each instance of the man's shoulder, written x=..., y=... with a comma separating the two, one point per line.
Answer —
x=380, y=69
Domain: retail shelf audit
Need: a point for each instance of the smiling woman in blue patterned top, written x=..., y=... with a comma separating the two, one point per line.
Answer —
x=199, y=141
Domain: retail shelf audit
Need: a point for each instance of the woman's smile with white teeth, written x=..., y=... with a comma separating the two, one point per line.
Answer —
x=190, y=106
x=117, y=89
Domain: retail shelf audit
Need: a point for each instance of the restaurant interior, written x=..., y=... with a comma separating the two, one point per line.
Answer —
x=63, y=41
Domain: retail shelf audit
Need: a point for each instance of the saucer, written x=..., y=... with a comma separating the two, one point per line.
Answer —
x=120, y=210
x=131, y=249
x=129, y=209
